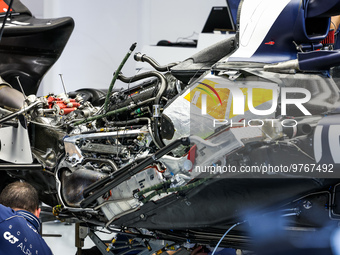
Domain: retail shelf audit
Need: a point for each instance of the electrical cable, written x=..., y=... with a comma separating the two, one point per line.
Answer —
x=298, y=148
x=294, y=213
x=219, y=242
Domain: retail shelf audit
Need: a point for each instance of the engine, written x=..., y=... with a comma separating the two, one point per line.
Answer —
x=80, y=143
x=109, y=163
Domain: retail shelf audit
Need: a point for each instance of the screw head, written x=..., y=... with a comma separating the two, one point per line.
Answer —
x=307, y=204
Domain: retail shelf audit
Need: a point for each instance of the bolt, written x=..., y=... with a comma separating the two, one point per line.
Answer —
x=307, y=204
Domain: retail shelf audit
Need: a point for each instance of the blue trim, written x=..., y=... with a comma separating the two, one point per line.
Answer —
x=233, y=7
x=31, y=218
x=292, y=25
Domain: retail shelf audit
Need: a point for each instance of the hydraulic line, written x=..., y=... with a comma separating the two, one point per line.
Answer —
x=294, y=212
x=132, y=48
x=233, y=226
x=123, y=109
x=21, y=111
x=143, y=58
x=125, y=123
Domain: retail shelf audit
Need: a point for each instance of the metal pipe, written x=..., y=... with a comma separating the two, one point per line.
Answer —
x=123, y=109
x=22, y=110
x=5, y=167
x=135, y=121
x=143, y=58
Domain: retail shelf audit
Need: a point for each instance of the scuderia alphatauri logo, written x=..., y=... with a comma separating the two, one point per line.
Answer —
x=231, y=102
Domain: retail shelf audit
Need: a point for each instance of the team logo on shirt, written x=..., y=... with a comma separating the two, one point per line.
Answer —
x=11, y=238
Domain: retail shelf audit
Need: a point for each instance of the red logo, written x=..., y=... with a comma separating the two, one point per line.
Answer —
x=3, y=6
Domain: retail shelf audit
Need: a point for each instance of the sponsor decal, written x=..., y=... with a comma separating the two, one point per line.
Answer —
x=3, y=6
x=11, y=238
x=223, y=102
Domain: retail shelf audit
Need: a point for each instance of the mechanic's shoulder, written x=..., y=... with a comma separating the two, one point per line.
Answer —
x=6, y=212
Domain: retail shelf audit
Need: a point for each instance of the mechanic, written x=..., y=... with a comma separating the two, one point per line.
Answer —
x=335, y=22
x=19, y=221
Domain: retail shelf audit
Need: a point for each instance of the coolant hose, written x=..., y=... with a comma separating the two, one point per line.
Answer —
x=162, y=89
x=143, y=58
x=156, y=135
x=120, y=110
x=132, y=48
x=161, y=77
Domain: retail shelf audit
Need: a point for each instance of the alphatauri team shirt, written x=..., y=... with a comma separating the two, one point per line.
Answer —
x=19, y=233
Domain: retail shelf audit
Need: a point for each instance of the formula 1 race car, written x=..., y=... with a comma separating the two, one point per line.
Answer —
x=241, y=139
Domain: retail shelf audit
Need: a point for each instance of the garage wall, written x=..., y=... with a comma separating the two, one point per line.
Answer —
x=105, y=30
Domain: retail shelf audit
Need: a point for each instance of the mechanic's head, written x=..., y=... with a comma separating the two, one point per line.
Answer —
x=21, y=196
